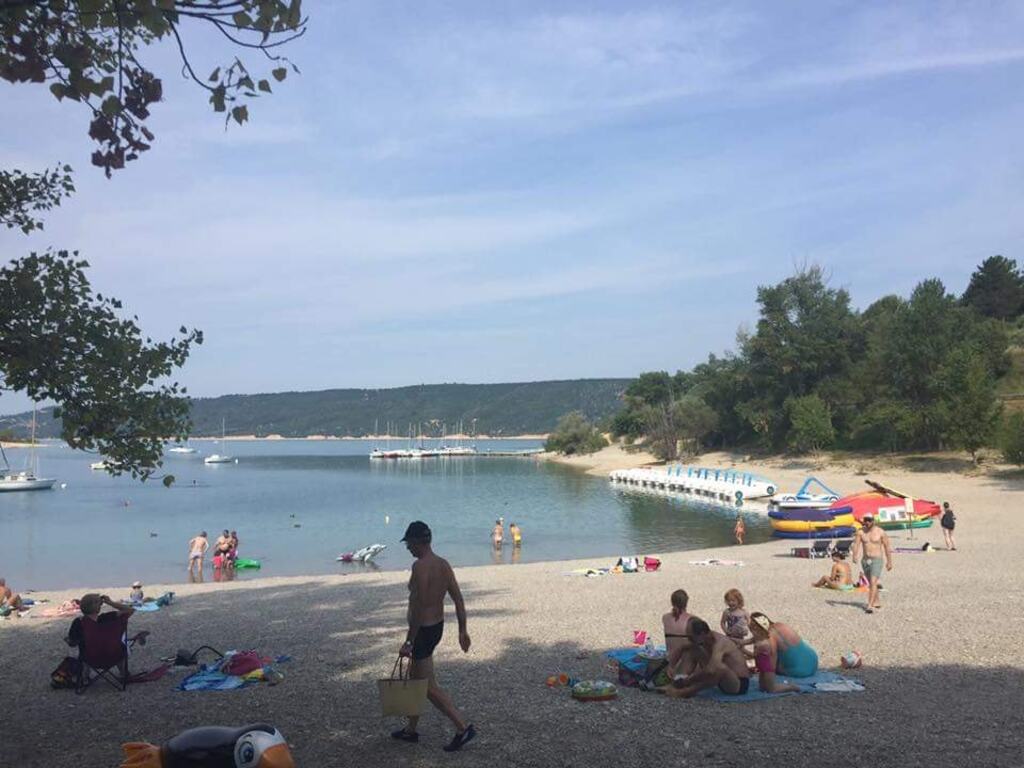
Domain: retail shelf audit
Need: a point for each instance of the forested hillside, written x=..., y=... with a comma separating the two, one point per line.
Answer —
x=924, y=371
x=494, y=409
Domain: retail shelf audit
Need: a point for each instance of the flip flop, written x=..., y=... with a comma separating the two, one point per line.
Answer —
x=869, y=610
x=403, y=735
x=460, y=739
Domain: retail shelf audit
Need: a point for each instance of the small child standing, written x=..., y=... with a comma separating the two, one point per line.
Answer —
x=739, y=529
x=735, y=620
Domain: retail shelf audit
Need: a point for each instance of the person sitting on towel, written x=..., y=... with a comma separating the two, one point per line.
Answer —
x=8, y=598
x=840, y=577
x=720, y=663
x=678, y=645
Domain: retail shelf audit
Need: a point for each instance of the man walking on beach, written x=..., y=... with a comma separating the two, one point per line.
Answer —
x=873, y=543
x=432, y=578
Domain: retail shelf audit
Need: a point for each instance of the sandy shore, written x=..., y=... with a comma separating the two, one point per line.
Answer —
x=943, y=669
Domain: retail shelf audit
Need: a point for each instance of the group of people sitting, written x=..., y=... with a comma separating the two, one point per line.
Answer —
x=747, y=644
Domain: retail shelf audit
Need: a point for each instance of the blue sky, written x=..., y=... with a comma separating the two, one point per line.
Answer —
x=473, y=192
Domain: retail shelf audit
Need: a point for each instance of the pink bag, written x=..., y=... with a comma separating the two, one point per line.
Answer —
x=651, y=563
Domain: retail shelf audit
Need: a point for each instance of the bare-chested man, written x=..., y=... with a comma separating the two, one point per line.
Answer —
x=873, y=543
x=197, y=547
x=720, y=662
x=432, y=579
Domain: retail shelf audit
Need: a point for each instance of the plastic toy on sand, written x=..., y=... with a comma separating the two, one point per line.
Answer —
x=851, y=660
x=249, y=746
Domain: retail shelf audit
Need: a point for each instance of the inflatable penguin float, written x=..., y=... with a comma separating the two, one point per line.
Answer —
x=250, y=746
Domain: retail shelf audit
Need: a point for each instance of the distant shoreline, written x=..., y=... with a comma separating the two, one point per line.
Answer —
x=397, y=438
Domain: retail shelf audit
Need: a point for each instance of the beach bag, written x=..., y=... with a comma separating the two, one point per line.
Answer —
x=628, y=564
x=651, y=564
x=65, y=673
x=242, y=663
x=400, y=695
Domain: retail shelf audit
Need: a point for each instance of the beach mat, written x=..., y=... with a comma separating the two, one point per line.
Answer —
x=820, y=682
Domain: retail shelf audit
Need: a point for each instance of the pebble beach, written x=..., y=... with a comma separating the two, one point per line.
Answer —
x=942, y=663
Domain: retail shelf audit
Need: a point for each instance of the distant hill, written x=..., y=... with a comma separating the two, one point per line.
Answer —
x=498, y=409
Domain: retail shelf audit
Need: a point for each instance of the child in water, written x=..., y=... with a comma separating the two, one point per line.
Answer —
x=739, y=529
x=735, y=620
x=517, y=535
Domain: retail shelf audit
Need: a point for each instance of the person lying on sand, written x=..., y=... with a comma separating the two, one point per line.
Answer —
x=720, y=663
x=840, y=577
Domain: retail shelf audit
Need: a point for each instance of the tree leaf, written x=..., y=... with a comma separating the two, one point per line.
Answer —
x=240, y=114
x=215, y=75
x=264, y=86
x=111, y=106
x=168, y=481
x=280, y=73
x=241, y=19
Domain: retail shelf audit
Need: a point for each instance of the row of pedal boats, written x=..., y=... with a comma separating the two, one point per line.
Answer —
x=844, y=516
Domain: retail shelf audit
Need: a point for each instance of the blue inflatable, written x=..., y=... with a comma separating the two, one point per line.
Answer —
x=828, y=533
x=812, y=515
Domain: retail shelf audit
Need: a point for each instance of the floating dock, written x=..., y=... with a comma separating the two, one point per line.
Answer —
x=717, y=484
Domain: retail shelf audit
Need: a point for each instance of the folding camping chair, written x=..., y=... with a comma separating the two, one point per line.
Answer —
x=103, y=653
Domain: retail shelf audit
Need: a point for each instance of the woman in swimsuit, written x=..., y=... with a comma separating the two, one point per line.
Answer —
x=676, y=624
x=794, y=657
x=765, y=660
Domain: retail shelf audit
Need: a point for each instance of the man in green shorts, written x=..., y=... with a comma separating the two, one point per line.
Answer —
x=873, y=543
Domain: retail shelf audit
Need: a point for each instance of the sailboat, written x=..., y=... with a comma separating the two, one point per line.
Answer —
x=181, y=449
x=25, y=480
x=217, y=458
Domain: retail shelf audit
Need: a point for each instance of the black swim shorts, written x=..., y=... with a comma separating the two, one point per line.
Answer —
x=744, y=687
x=426, y=640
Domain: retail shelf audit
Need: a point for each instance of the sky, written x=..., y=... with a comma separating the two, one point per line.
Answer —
x=482, y=192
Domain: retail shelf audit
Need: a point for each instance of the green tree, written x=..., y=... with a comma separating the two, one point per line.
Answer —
x=60, y=342
x=810, y=421
x=970, y=399
x=1011, y=439
x=88, y=51
x=996, y=289
x=24, y=194
x=684, y=422
x=575, y=435
x=807, y=334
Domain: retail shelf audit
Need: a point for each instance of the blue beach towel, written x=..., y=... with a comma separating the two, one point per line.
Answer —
x=210, y=678
x=819, y=682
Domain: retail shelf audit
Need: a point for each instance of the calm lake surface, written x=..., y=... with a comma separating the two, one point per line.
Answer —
x=97, y=531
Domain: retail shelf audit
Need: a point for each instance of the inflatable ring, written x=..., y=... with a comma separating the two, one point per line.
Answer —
x=594, y=690
x=246, y=563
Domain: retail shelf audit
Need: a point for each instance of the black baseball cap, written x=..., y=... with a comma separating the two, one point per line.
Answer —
x=417, y=531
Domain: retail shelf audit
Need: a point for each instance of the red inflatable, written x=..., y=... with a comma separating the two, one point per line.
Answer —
x=885, y=505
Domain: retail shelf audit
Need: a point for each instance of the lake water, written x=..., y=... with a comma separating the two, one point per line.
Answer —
x=297, y=504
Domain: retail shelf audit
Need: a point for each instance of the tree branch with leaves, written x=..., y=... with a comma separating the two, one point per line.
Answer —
x=87, y=51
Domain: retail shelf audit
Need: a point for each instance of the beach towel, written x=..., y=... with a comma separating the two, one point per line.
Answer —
x=716, y=561
x=214, y=677
x=820, y=682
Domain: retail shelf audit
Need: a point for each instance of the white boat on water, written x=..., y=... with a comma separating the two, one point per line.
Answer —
x=26, y=479
x=220, y=458
x=181, y=449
